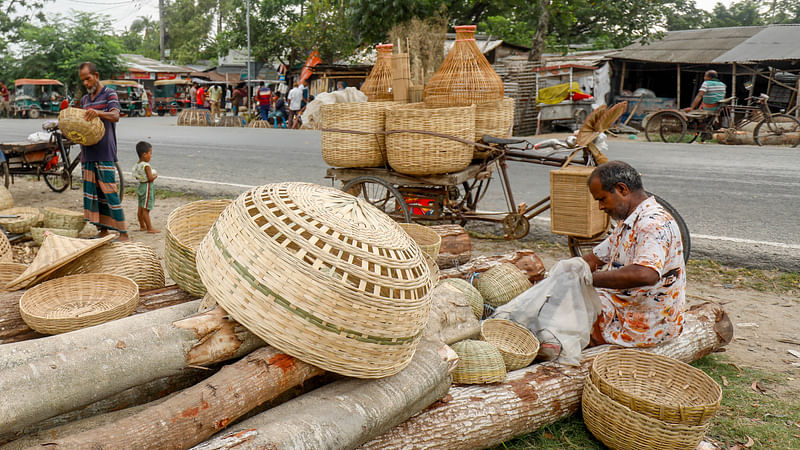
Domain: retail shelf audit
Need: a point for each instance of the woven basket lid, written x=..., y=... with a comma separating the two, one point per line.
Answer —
x=321, y=275
x=79, y=130
x=55, y=252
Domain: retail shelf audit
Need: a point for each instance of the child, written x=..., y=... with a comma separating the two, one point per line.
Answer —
x=145, y=175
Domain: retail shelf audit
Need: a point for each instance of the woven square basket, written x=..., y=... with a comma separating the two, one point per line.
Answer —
x=351, y=149
x=573, y=210
x=495, y=118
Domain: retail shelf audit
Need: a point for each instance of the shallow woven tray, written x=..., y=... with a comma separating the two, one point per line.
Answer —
x=9, y=271
x=186, y=227
x=132, y=260
x=321, y=275
x=6, y=255
x=78, y=301
x=28, y=217
x=63, y=218
x=495, y=118
x=6, y=200
x=350, y=149
x=516, y=343
x=500, y=284
x=79, y=130
x=619, y=427
x=473, y=296
x=658, y=386
x=479, y=362
x=38, y=234
x=427, y=239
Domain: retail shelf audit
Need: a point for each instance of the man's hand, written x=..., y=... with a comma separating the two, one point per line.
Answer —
x=90, y=114
x=688, y=109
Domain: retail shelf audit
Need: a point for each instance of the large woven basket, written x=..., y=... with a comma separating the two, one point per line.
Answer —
x=231, y=121
x=658, y=386
x=426, y=154
x=516, y=343
x=619, y=427
x=132, y=260
x=427, y=239
x=349, y=149
x=479, y=362
x=79, y=130
x=500, y=284
x=38, y=234
x=6, y=255
x=573, y=210
x=378, y=84
x=495, y=118
x=194, y=118
x=321, y=275
x=6, y=200
x=63, y=218
x=28, y=217
x=78, y=301
x=259, y=124
x=186, y=227
x=9, y=271
x=474, y=297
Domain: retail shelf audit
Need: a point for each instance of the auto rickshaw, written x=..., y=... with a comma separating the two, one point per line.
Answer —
x=129, y=93
x=172, y=96
x=36, y=97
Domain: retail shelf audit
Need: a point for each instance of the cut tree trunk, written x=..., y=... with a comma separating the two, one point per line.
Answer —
x=68, y=371
x=527, y=261
x=481, y=416
x=198, y=412
x=456, y=247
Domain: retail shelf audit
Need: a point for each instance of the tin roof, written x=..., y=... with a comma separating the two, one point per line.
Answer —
x=690, y=46
x=139, y=63
x=37, y=82
x=773, y=43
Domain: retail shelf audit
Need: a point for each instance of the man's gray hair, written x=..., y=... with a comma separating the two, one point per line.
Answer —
x=614, y=172
x=712, y=73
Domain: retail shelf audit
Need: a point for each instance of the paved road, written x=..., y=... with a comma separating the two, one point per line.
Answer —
x=739, y=192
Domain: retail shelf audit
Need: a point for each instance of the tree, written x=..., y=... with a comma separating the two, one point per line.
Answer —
x=738, y=14
x=188, y=28
x=142, y=37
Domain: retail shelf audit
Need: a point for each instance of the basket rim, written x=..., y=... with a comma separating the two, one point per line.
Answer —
x=517, y=326
x=83, y=278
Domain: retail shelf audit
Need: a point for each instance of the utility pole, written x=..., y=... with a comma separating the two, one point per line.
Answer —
x=249, y=93
x=162, y=27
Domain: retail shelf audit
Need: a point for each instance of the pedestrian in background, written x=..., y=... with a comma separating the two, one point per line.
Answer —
x=214, y=96
x=263, y=97
x=236, y=99
x=5, y=107
x=201, y=97
x=193, y=95
x=295, y=103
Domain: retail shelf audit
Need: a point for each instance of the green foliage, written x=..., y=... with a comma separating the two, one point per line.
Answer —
x=142, y=38
x=188, y=26
x=323, y=26
x=269, y=20
x=743, y=13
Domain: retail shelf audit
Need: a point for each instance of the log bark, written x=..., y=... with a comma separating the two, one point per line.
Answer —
x=451, y=318
x=481, y=416
x=198, y=412
x=527, y=261
x=61, y=373
x=456, y=246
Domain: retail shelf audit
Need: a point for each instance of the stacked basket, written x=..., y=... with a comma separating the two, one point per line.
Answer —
x=364, y=148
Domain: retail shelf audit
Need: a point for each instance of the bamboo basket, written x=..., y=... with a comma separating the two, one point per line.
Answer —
x=63, y=218
x=425, y=154
x=77, y=301
x=465, y=77
x=186, y=228
x=39, y=234
x=433, y=268
x=6, y=255
x=321, y=275
x=28, y=217
x=230, y=121
x=500, y=284
x=427, y=239
x=6, y=199
x=79, y=130
x=573, y=210
x=194, y=118
x=516, y=344
x=259, y=124
x=132, y=260
x=378, y=84
x=657, y=386
x=9, y=271
x=495, y=118
x=474, y=297
x=479, y=362
x=350, y=149
x=620, y=427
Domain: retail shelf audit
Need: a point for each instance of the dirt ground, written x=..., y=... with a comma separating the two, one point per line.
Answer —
x=765, y=323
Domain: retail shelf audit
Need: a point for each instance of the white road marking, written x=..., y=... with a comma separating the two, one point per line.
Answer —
x=192, y=180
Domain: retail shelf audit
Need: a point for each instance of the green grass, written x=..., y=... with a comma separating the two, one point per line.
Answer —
x=163, y=194
x=761, y=280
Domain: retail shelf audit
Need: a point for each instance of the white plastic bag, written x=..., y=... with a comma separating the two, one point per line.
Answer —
x=563, y=307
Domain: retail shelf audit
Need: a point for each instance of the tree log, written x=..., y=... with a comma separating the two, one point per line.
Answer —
x=481, y=416
x=61, y=373
x=527, y=261
x=456, y=246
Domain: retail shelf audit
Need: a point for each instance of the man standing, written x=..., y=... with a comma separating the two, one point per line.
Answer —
x=295, y=103
x=193, y=95
x=643, y=288
x=101, y=203
x=214, y=94
x=711, y=92
x=264, y=99
x=5, y=107
x=201, y=97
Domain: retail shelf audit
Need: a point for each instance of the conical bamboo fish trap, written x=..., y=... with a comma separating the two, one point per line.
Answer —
x=465, y=77
x=378, y=84
x=321, y=275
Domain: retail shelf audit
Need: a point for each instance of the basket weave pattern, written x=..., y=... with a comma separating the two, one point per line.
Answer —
x=6, y=200
x=423, y=154
x=378, y=84
x=259, y=124
x=320, y=275
x=350, y=149
x=474, y=297
x=573, y=210
x=194, y=118
x=186, y=227
x=500, y=284
x=658, y=386
x=78, y=301
x=479, y=362
x=495, y=118
x=9, y=271
x=6, y=255
x=28, y=217
x=79, y=130
x=63, y=218
x=38, y=234
x=427, y=239
x=132, y=260
x=516, y=343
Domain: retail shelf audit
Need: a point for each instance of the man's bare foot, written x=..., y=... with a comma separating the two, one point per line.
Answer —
x=123, y=237
x=101, y=233
x=153, y=231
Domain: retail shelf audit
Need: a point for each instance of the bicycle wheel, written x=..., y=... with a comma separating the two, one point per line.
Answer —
x=58, y=180
x=380, y=194
x=5, y=174
x=780, y=129
x=665, y=126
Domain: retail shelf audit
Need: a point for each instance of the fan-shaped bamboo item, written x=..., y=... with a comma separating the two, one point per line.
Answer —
x=79, y=130
x=465, y=77
x=378, y=84
x=6, y=200
x=321, y=275
x=132, y=260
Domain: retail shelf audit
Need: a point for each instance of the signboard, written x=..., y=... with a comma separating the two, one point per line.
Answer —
x=140, y=75
x=166, y=76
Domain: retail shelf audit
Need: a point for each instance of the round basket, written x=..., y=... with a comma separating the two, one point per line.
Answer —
x=427, y=239
x=9, y=271
x=260, y=124
x=500, y=284
x=321, y=275
x=473, y=296
x=479, y=362
x=6, y=200
x=79, y=130
x=186, y=227
x=516, y=343
x=619, y=427
x=230, y=121
x=495, y=118
x=78, y=301
x=132, y=260
x=6, y=255
x=63, y=218
x=350, y=149
x=38, y=234
x=194, y=118
x=433, y=267
x=425, y=154
x=28, y=217
x=658, y=386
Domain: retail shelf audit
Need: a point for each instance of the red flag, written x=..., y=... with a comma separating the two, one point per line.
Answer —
x=313, y=60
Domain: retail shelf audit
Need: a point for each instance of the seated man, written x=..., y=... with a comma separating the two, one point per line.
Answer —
x=642, y=289
x=711, y=92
